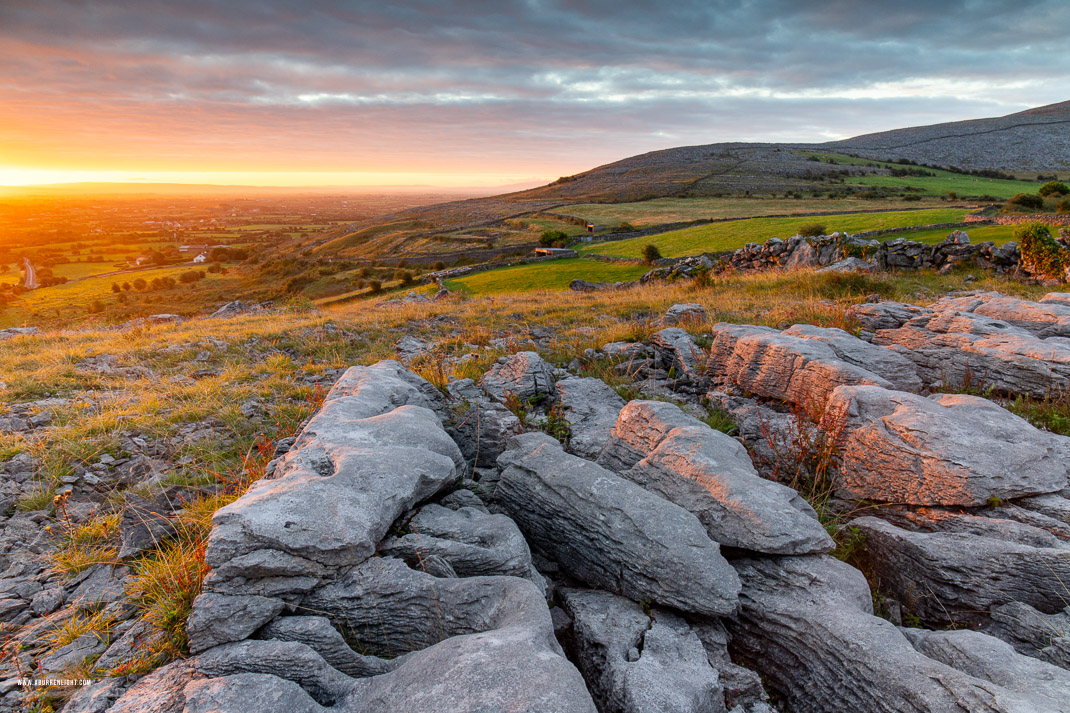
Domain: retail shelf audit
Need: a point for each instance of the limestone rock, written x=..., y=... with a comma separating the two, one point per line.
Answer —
x=710, y=475
x=611, y=533
x=884, y=315
x=97, y=697
x=806, y=625
x=1033, y=633
x=639, y=663
x=850, y=264
x=887, y=363
x=689, y=313
x=248, y=691
x=221, y=618
x=162, y=691
x=591, y=408
x=956, y=576
x=957, y=348
x=525, y=375
x=946, y=450
x=144, y=525
x=1050, y=318
x=317, y=633
x=475, y=543
x=676, y=350
x=986, y=657
x=480, y=425
x=768, y=363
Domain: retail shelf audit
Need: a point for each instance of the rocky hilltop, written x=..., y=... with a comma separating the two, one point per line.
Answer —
x=532, y=541
x=1036, y=139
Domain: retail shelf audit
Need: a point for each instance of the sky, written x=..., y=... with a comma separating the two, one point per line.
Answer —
x=487, y=93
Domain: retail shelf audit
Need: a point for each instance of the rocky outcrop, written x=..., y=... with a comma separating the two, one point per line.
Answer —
x=949, y=449
x=965, y=349
x=447, y=616
x=1048, y=318
x=1033, y=633
x=806, y=625
x=884, y=315
x=690, y=313
x=524, y=375
x=762, y=361
x=890, y=364
x=971, y=564
x=590, y=407
x=610, y=533
x=635, y=662
x=667, y=452
x=987, y=658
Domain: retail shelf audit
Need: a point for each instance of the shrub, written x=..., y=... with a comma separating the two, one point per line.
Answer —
x=126, y=286
x=812, y=230
x=1041, y=254
x=1063, y=206
x=140, y=284
x=549, y=237
x=404, y=276
x=403, y=263
x=375, y=286
x=651, y=253
x=115, y=288
x=1026, y=200
x=1053, y=188
x=624, y=227
x=297, y=284
x=439, y=265
x=215, y=267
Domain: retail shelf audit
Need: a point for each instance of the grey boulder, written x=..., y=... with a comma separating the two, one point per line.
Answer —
x=806, y=625
x=711, y=475
x=640, y=663
x=525, y=375
x=611, y=533
x=591, y=408
x=956, y=575
x=888, y=363
x=762, y=361
x=944, y=450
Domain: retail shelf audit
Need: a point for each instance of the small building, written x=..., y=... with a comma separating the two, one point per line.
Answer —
x=555, y=252
x=201, y=258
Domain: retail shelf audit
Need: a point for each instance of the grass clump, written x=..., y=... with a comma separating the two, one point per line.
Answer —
x=87, y=544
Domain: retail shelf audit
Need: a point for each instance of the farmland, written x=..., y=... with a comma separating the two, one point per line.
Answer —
x=731, y=235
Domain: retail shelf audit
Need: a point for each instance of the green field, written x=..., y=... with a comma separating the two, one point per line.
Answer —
x=998, y=234
x=732, y=235
x=940, y=184
x=550, y=275
x=677, y=210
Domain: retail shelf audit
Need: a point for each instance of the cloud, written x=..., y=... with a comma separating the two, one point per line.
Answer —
x=548, y=87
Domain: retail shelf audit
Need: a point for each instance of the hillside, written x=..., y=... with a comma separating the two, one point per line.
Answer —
x=1035, y=140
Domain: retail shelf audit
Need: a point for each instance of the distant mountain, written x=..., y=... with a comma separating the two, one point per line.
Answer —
x=1033, y=140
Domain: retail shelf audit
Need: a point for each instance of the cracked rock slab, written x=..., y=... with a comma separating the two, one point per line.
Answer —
x=949, y=449
x=711, y=475
x=610, y=533
x=639, y=663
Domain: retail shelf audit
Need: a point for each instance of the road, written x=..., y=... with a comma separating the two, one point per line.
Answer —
x=29, y=281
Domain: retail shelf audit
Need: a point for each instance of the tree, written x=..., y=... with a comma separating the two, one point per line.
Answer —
x=1053, y=188
x=651, y=253
x=549, y=237
x=158, y=258
x=115, y=287
x=140, y=285
x=1041, y=253
x=1026, y=200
